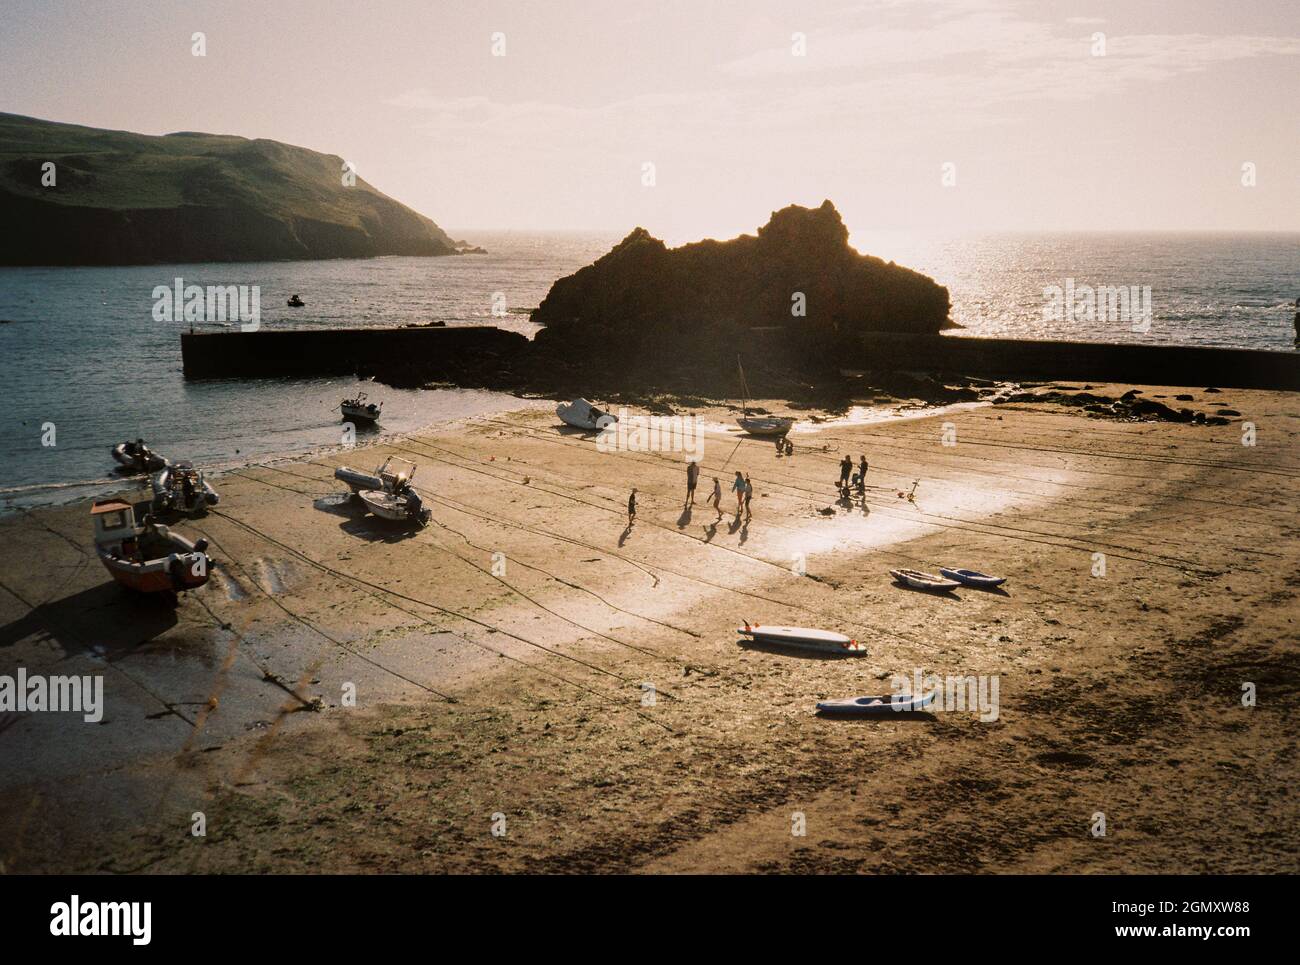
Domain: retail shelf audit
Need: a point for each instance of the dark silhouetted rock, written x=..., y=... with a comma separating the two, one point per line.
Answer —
x=657, y=305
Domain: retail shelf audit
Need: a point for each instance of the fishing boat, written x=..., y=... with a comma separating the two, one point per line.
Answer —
x=296, y=302
x=360, y=410
x=143, y=555
x=923, y=581
x=804, y=638
x=873, y=706
x=973, y=578
x=180, y=488
x=581, y=414
x=137, y=457
x=399, y=507
x=759, y=425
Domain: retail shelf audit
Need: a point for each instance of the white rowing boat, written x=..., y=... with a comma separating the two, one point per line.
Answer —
x=873, y=706
x=923, y=581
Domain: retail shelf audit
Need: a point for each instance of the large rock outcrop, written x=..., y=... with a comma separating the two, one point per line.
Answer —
x=649, y=301
x=120, y=198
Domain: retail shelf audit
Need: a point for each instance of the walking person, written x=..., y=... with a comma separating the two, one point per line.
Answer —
x=631, y=509
x=692, y=477
x=738, y=487
x=846, y=467
x=749, y=494
x=716, y=498
x=862, y=475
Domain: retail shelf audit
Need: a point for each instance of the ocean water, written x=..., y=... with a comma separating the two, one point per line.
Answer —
x=82, y=351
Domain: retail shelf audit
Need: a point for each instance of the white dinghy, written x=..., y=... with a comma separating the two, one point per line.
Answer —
x=581, y=414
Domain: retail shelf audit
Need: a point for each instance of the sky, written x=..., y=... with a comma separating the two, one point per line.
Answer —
x=1038, y=114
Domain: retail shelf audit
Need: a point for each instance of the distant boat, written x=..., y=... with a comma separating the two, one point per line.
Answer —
x=360, y=410
x=138, y=457
x=180, y=488
x=296, y=302
x=755, y=425
x=146, y=556
x=923, y=581
x=581, y=414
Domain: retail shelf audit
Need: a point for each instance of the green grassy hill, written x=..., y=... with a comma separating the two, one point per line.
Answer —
x=123, y=198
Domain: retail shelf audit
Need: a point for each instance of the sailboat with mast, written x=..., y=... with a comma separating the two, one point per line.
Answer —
x=759, y=425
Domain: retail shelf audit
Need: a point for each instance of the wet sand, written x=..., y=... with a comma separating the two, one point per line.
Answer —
x=585, y=693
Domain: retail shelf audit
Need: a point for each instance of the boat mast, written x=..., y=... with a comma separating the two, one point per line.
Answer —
x=744, y=387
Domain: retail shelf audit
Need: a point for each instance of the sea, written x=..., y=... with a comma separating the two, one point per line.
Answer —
x=87, y=364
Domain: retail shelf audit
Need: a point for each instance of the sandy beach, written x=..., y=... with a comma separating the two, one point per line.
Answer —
x=540, y=688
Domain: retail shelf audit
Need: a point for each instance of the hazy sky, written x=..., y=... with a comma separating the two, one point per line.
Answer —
x=1043, y=134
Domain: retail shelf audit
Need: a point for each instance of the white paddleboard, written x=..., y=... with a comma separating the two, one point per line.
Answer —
x=805, y=637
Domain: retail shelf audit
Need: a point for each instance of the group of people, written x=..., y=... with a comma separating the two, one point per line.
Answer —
x=743, y=487
x=859, y=478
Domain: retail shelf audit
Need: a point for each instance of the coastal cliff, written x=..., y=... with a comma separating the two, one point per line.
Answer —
x=798, y=274
x=118, y=198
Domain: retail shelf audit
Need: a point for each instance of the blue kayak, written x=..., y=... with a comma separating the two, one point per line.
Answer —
x=877, y=705
x=973, y=578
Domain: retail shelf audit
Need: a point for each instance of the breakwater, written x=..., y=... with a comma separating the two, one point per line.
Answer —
x=1018, y=359
x=483, y=355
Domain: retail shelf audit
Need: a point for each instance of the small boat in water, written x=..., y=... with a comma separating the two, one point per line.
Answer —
x=973, y=578
x=143, y=555
x=803, y=638
x=759, y=425
x=360, y=410
x=581, y=414
x=876, y=706
x=923, y=581
x=296, y=302
x=180, y=488
x=137, y=457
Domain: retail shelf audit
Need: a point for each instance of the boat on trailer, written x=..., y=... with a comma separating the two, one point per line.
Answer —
x=143, y=555
x=180, y=488
x=581, y=414
x=360, y=410
x=137, y=457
